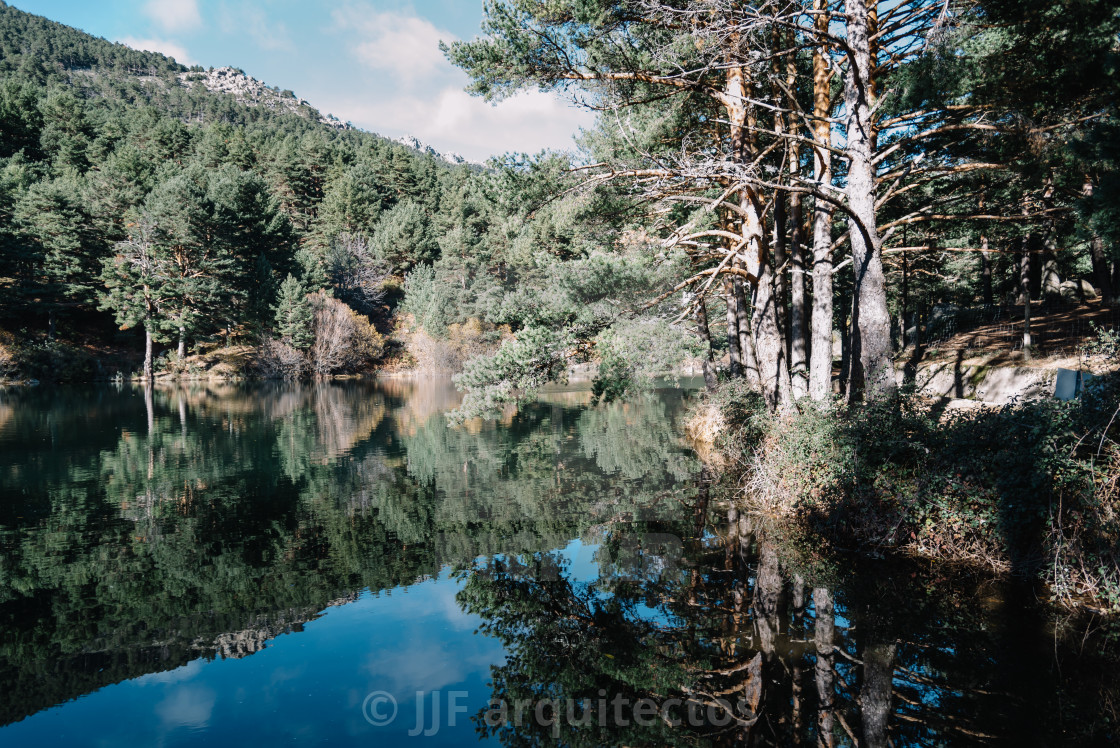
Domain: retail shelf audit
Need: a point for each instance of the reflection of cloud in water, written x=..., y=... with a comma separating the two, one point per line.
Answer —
x=178, y=675
x=430, y=664
x=186, y=706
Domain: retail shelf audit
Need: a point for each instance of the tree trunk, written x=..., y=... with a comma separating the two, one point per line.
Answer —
x=705, y=333
x=798, y=296
x=182, y=343
x=820, y=349
x=769, y=339
x=904, y=301
x=985, y=270
x=734, y=352
x=781, y=269
x=746, y=334
x=798, y=301
x=52, y=323
x=148, y=350
x=875, y=695
x=823, y=670
x=770, y=347
x=1100, y=268
x=1025, y=290
x=872, y=374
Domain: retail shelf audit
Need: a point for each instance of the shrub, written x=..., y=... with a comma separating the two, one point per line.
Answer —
x=344, y=341
x=1031, y=488
x=276, y=359
x=7, y=355
x=459, y=343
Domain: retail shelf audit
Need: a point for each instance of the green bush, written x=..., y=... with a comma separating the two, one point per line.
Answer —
x=1030, y=488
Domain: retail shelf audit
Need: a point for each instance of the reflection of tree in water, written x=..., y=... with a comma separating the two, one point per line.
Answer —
x=870, y=658
x=150, y=528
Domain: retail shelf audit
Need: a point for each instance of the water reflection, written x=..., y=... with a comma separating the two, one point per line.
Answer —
x=756, y=639
x=144, y=529
x=157, y=539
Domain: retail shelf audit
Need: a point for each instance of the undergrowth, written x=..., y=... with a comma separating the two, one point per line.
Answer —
x=1031, y=488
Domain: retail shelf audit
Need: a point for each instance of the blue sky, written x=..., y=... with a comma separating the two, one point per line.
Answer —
x=374, y=63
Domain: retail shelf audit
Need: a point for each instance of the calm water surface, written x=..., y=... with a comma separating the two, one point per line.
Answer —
x=229, y=565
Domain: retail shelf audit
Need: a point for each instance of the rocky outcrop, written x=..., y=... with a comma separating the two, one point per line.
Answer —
x=248, y=90
x=449, y=156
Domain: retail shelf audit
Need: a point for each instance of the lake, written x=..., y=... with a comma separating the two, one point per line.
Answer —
x=223, y=564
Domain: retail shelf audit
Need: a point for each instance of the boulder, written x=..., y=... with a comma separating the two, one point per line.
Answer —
x=1078, y=290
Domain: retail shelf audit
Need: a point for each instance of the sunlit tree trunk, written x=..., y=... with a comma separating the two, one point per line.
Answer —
x=820, y=350
x=872, y=373
x=767, y=327
x=147, y=352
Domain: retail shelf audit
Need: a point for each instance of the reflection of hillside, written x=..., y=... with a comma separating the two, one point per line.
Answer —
x=149, y=529
x=421, y=398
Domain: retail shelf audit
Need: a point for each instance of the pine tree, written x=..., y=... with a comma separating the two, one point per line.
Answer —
x=294, y=314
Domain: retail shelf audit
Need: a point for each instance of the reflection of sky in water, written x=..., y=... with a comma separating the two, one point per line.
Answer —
x=306, y=687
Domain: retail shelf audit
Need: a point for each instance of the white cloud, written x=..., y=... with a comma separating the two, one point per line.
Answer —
x=418, y=92
x=406, y=46
x=174, y=15
x=452, y=120
x=245, y=18
x=163, y=46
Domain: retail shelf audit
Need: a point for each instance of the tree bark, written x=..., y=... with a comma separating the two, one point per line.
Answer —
x=705, y=333
x=735, y=365
x=798, y=295
x=985, y=270
x=904, y=301
x=820, y=349
x=1100, y=268
x=148, y=350
x=182, y=343
x=746, y=334
x=872, y=373
x=1025, y=290
x=1101, y=277
x=767, y=327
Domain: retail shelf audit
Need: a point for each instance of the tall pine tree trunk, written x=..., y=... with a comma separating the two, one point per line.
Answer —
x=1025, y=290
x=1101, y=275
x=798, y=295
x=986, y=270
x=820, y=349
x=734, y=352
x=147, y=350
x=872, y=373
x=767, y=327
x=705, y=332
x=798, y=299
x=746, y=334
x=1100, y=267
